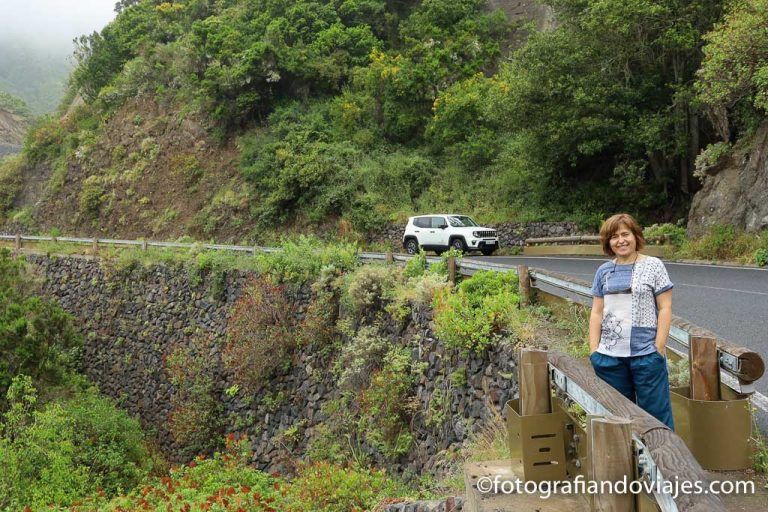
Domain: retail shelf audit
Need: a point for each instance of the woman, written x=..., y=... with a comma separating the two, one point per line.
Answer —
x=630, y=319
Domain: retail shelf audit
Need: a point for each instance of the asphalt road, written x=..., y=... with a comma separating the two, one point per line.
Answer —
x=729, y=301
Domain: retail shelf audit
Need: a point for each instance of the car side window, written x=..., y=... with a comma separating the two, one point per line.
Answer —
x=438, y=222
x=421, y=222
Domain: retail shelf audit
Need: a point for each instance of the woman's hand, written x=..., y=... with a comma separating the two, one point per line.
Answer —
x=595, y=323
x=664, y=307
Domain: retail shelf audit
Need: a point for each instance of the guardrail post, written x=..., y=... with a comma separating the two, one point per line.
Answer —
x=610, y=452
x=95, y=246
x=705, y=369
x=18, y=242
x=144, y=245
x=389, y=258
x=534, y=382
x=525, y=284
x=451, y=269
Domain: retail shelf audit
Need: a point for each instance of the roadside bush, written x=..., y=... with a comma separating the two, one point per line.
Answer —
x=260, y=333
x=319, y=323
x=67, y=450
x=416, y=293
x=676, y=233
x=761, y=257
x=479, y=312
x=417, y=265
x=721, y=243
x=360, y=356
x=369, y=287
x=301, y=260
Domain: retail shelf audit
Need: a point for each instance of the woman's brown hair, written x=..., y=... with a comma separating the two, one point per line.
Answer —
x=612, y=225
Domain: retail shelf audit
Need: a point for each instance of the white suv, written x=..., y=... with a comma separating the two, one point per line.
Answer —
x=441, y=232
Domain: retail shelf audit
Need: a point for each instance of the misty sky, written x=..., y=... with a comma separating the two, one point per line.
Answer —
x=53, y=23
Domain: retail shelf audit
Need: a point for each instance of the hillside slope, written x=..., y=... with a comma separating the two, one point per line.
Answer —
x=14, y=123
x=231, y=120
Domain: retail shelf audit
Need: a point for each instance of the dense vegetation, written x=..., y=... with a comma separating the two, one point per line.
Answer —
x=59, y=440
x=371, y=110
x=14, y=105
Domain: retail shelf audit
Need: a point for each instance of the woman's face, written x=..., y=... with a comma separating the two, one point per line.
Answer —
x=623, y=242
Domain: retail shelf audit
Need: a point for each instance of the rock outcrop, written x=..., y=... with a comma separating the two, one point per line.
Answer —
x=735, y=189
x=12, y=130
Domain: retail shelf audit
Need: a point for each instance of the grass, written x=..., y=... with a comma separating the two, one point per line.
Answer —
x=720, y=243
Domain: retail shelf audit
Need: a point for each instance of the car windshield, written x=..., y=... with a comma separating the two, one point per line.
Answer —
x=462, y=221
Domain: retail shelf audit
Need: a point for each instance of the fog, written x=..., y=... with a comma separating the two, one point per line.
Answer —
x=52, y=24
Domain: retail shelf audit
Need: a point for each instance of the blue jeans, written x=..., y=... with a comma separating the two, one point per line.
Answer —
x=644, y=380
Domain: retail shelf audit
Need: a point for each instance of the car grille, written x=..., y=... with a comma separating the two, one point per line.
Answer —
x=486, y=234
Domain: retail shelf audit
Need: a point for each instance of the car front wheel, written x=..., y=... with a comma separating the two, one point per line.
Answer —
x=458, y=244
x=411, y=246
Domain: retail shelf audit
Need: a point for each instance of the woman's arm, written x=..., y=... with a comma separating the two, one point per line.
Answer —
x=664, y=306
x=595, y=323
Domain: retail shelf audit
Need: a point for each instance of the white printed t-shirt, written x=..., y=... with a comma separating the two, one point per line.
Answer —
x=630, y=314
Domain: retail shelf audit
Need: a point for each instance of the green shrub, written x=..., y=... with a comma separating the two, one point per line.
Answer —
x=301, y=260
x=196, y=419
x=761, y=257
x=710, y=156
x=415, y=293
x=68, y=450
x=369, y=287
x=37, y=337
x=479, y=312
x=319, y=324
x=360, y=356
x=676, y=233
x=225, y=481
x=417, y=265
x=385, y=405
x=721, y=243
x=44, y=141
x=92, y=196
x=324, y=487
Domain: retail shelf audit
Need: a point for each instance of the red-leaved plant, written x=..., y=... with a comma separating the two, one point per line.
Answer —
x=260, y=333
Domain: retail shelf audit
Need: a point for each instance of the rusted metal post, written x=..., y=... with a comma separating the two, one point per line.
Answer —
x=95, y=246
x=610, y=452
x=451, y=269
x=534, y=382
x=144, y=245
x=705, y=369
x=18, y=242
x=525, y=284
x=389, y=258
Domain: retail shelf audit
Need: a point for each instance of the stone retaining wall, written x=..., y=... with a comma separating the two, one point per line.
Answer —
x=132, y=319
